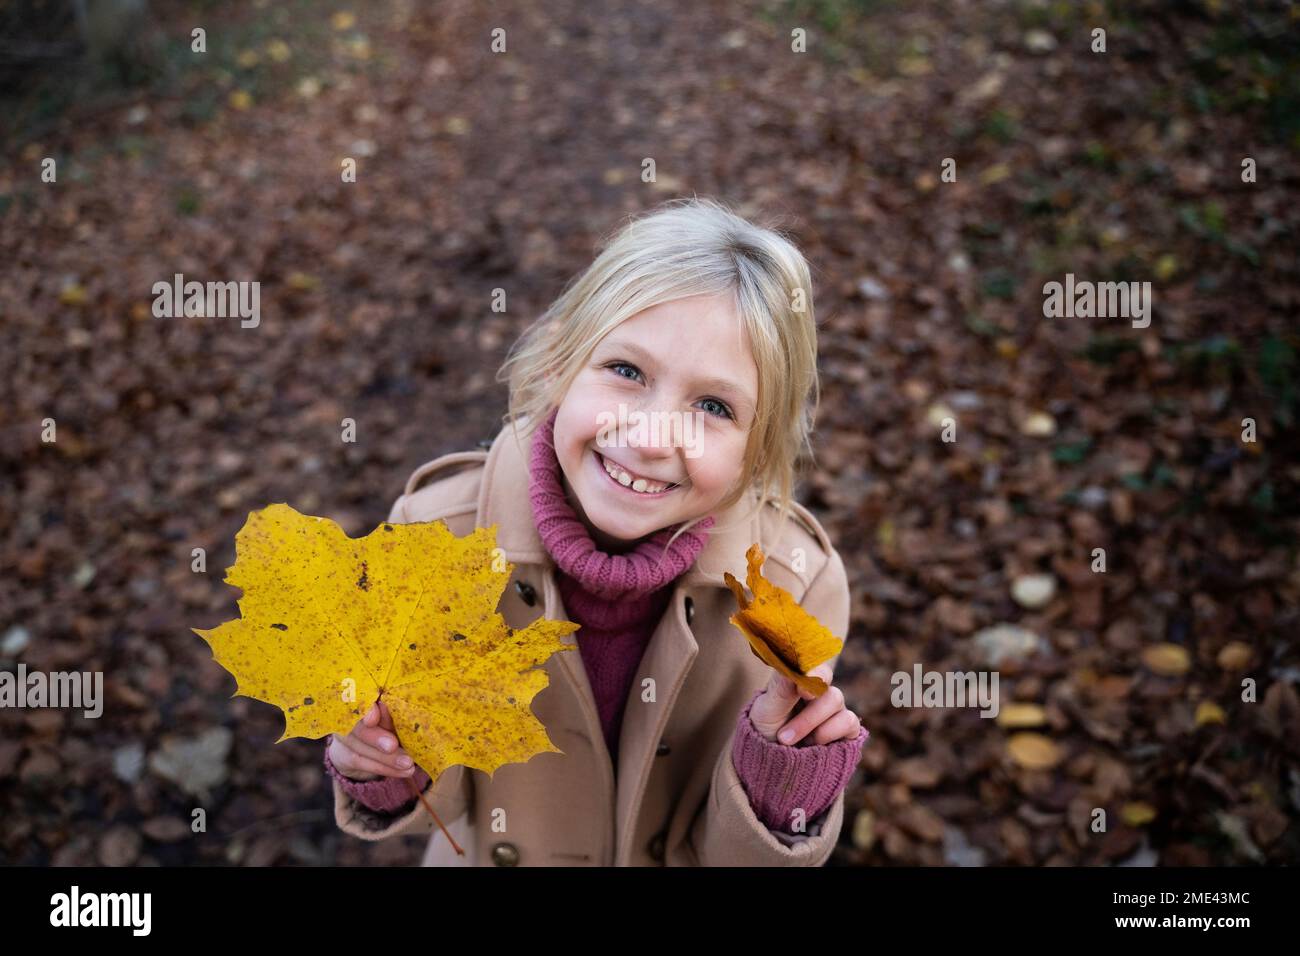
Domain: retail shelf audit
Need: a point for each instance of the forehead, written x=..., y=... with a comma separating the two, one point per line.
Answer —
x=700, y=337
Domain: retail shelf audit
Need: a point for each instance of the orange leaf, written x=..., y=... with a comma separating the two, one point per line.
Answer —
x=781, y=634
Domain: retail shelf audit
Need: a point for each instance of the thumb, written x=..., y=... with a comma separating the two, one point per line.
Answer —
x=782, y=688
x=385, y=716
x=771, y=709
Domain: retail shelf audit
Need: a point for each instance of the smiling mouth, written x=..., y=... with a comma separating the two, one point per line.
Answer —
x=602, y=461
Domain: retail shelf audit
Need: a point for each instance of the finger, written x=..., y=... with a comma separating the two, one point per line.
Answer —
x=371, y=716
x=842, y=726
x=362, y=757
x=822, y=670
x=377, y=739
x=362, y=748
x=357, y=762
x=341, y=756
x=367, y=748
x=818, y=710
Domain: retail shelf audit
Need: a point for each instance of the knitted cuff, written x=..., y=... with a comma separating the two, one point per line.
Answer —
x=779, y=778
x=387, y=794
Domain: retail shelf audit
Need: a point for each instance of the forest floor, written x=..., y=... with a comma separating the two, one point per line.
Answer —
x=1162, y=690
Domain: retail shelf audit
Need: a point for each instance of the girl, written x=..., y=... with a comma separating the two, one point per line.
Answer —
x=657, y=410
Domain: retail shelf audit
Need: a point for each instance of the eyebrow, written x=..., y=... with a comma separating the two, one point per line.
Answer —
x=735, y=392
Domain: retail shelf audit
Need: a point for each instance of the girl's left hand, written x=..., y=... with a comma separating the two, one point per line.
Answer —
x=826, y=717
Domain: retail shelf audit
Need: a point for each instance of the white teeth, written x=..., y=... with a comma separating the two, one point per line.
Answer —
x=627, y=481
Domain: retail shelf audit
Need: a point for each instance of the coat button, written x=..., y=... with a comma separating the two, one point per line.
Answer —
x=690, y=609
x=526, y=592
x=505, y=854
x=663, y=750
x=656, y=848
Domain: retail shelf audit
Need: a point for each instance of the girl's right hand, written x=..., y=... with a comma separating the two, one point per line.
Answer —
x=370, y=749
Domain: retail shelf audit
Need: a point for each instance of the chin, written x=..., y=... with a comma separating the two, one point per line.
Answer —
x=628, y=535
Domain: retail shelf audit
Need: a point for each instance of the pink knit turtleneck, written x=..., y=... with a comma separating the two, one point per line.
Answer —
x=618, y=600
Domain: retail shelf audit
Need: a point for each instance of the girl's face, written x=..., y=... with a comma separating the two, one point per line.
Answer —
x=686, y=365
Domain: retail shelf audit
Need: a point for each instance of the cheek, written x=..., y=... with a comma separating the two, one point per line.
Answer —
x=590, y=389
x=579, y=416
x=714, y=474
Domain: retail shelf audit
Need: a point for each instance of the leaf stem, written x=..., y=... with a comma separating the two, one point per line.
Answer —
x=454, y=845
x=419, y=796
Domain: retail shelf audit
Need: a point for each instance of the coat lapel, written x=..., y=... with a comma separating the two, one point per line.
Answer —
x=504, y=502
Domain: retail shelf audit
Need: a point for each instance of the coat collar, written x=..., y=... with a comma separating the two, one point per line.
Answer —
x=504, y=502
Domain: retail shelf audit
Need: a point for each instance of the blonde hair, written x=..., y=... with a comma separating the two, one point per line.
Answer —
x=688, y=247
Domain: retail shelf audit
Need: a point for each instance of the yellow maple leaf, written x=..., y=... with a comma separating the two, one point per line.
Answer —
x=329, y=624
x=781, y=634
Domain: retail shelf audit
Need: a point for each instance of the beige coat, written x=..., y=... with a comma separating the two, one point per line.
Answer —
x=677, y=799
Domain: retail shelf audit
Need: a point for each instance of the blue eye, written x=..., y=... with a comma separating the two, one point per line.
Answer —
x=622, y=365
x=726, y=410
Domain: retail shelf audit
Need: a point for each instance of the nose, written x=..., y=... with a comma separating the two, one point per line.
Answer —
x=652, y=442
x=655, y=438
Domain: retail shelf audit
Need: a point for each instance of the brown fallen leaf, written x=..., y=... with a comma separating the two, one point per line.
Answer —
x=1021, y=715
x=1234, y=656
x=1167, y=660
x=1034, y=751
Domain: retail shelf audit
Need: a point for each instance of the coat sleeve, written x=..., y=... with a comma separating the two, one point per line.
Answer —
x=380, y=793
x=788, y=782
x=728, y=832
x=450, y=795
